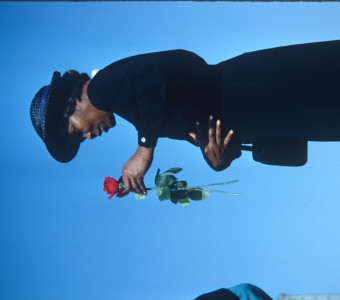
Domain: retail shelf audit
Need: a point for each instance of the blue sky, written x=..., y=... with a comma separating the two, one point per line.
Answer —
x=60, y=236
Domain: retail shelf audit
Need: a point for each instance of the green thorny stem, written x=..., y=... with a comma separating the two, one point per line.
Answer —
x=199, y=187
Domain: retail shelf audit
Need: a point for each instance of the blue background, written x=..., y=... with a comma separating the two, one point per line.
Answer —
x=60, y=236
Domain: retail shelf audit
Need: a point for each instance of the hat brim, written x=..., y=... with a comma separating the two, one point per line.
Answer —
x=56, y=138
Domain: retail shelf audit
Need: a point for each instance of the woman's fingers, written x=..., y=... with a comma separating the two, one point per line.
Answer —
x=134, y=185
x=135, y=168
x=199, y=132
x=198, y=135
x=218, y=132
x=228, y=138
x=141, y=186
x=194, y=137
x=126, y=182
x=212, y=135
x=213, y=148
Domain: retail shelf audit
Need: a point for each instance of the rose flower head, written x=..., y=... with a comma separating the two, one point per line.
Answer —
x=110, y=186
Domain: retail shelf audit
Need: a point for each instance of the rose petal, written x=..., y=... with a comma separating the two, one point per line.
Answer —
x=110, y=186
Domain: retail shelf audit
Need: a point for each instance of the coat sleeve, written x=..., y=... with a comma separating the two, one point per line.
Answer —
x=151, y=103
x=134, y=89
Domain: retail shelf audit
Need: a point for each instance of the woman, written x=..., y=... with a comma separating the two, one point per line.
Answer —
x=275, y=99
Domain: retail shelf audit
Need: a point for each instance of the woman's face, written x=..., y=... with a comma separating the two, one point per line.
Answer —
x=88, y=122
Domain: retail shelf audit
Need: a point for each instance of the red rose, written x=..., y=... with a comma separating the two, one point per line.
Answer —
x=110, y=186
x=122, y=191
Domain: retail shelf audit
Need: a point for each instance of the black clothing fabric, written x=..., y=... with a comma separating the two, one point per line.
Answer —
x=162, y=94
x=284, y=93
x=270, y=98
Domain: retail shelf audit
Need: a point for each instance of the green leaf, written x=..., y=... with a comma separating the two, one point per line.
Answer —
x=163, y=193
x=184, y=202
x=180, y=184
x=198, y=194
x=176, y=196
x=172, y=171
x=138, y=197
x=162, y=181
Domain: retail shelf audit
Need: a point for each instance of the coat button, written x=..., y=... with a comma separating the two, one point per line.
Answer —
x=143, y=139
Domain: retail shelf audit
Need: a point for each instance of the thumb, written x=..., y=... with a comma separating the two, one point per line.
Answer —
x=194, y=137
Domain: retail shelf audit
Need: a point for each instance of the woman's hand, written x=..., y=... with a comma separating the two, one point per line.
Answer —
x=135, y=168
x=218, y=151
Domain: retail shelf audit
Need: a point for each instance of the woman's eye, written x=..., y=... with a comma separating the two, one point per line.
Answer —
x=77, y=136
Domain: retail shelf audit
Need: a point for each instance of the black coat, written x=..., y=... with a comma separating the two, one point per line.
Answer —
x=275, y=99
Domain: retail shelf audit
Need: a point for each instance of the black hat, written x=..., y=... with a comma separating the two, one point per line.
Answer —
x=49, y=110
